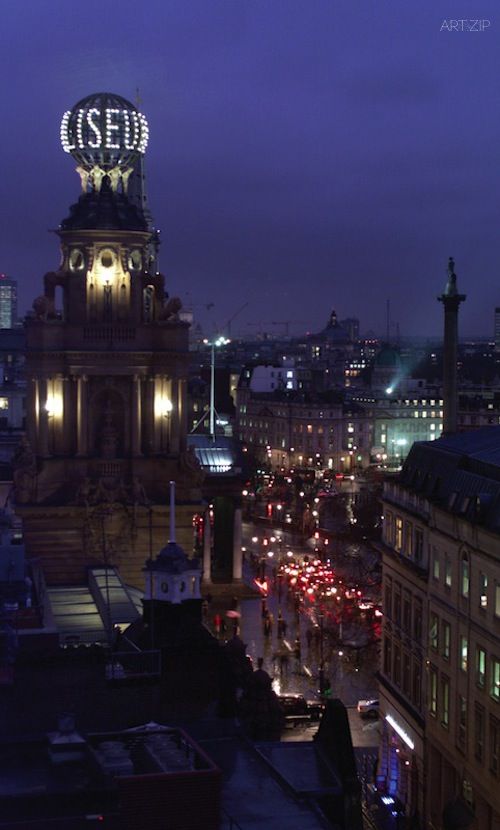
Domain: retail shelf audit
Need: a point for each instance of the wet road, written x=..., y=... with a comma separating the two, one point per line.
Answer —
x=350, y=670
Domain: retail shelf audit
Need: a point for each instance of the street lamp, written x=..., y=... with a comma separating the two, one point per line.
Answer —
x=219, y=341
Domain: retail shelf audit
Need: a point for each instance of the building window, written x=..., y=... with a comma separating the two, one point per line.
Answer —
x=388, y=598
x=495, y=679
x=433, y=631
x=398, y=543
x=447, y=570
x=497, y=600
x=480, y=667
x=494, y=745
x=446, y=644
x=406, y=673
x=445, y=701
x=407, y=613
x=483, y=590
x=397, y=603
x=433, y=700
x=417, y=620
x=419, y=545
x=4, y=403
x=416, y=692
x=435, y=563
x=464, y=647
x=387, y=657
x=479, y=733
x=465, y=576
x=462, y=722
x=397, y=665
x=409, y=539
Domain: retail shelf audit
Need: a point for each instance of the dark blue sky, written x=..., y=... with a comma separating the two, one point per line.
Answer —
x=304, y=154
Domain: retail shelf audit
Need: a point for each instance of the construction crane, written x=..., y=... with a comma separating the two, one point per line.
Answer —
x=228, y=324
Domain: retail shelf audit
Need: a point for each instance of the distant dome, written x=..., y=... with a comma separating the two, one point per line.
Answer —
x=106, y=130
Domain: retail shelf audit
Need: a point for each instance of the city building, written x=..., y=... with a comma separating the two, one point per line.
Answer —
x=496, y=330
x=440, y=670
x=8, y=302
x=106, y=365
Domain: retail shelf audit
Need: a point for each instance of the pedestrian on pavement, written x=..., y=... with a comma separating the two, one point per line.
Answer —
x=309, y=637
x=284, y=663
x=284, y=627
x=263, y=606
x=217, y=623
x=267, y=627
x=297, y=652
x=280, y=623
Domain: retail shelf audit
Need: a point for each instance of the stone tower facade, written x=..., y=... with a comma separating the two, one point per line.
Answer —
x=106, y=365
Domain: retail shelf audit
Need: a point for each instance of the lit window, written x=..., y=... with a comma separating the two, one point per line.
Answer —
x=446, y=640
x=497, y=600
x=483, y=590
x=445, y=702
x=398, y=544
x=480, y=667
x=4, y=403
x=464, y=647
x=435, y=563
x=433, y=631
x=465, y=575
x=495, y=680
x=433, y=691
x=447, y=571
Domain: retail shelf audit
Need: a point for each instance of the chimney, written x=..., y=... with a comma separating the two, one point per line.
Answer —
x=451, y=300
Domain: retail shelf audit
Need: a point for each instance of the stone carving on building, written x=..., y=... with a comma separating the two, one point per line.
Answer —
x=25, y=472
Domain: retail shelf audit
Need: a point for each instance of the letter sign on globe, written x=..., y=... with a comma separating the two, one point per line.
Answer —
x=105, y=131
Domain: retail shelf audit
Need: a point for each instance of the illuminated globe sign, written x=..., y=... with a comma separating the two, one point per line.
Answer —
x=104, y=131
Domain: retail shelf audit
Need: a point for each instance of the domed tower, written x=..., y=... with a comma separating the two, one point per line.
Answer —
x=106, y=363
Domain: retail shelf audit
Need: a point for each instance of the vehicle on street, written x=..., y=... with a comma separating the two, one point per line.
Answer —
x=369, y=708
x=298, y=710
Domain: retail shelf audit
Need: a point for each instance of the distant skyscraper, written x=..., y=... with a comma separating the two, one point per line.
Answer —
x=8, y=302
x=497, y=329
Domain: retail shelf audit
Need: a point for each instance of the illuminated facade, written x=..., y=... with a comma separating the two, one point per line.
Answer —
x=106, y=368
x=440, y=669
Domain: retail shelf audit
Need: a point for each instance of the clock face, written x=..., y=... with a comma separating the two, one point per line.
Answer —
x=135, y=260
x=76, y=260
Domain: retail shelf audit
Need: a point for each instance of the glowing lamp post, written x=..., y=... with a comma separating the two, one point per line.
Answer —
x=220, y=341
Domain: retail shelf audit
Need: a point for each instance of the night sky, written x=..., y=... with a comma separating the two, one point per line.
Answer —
x=304, y=154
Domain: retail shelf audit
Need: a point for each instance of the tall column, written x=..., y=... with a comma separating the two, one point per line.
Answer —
x=175, y=418
x=237, y=552
x=43, y=419
x=150, y=415
x=207, y=548
x=67, y=417
x=82, y=415
x=135, y=438
x=451, y=300
x=183, y=423
x=31, y=411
